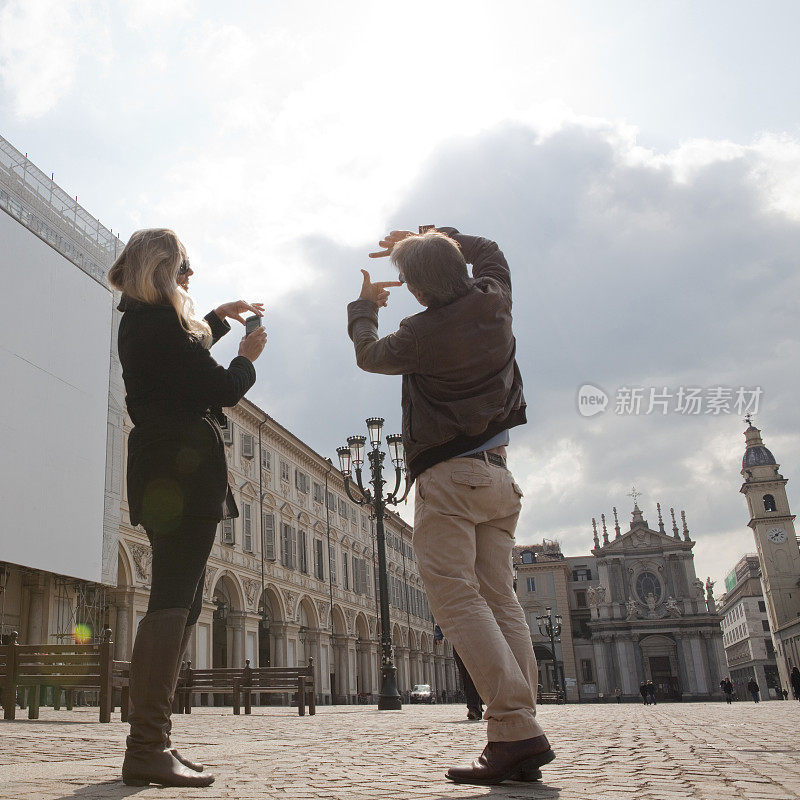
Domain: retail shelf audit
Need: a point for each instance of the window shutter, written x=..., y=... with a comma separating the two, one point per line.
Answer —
x=247, y=528
x=227, y=432
x=227, y=531
x=301, y=544
x=247, y=445
x=293, y=546
x=268, y=534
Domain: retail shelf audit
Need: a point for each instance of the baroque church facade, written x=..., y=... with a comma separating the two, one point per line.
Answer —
x=632, y=611
x=651, y=617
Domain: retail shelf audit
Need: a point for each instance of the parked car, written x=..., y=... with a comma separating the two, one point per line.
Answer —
x=421, y=693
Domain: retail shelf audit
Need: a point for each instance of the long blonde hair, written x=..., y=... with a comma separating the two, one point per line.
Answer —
x=147, y=270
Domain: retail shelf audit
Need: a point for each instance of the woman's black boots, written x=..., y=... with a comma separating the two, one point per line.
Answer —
x=158, y=647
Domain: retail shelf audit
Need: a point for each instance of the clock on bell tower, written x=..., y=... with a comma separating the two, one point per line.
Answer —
x=773, y=526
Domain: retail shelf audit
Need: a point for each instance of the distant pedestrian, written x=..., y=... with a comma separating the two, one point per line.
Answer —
x=618, y=694
x=727, y=689
x=752, y=687
x=651, y=692
x=643, y=692
x=785, y=693
x=794, y=679
x=474, y=701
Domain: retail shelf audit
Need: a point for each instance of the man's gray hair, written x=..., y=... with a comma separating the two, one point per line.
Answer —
x=432, y=264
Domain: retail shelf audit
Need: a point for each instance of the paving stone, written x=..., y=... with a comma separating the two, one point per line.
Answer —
x=612, y=752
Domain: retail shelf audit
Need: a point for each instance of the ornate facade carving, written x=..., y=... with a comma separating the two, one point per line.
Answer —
x=142, y=557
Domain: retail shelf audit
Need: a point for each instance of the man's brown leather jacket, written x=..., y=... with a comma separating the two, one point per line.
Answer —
x=461, y=383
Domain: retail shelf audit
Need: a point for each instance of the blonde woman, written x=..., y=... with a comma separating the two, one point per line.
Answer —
x=177, y=474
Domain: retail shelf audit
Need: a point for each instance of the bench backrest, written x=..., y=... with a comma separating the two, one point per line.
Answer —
x=63, y=664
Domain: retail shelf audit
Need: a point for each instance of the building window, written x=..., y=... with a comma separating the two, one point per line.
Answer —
x=319, y=564
x=302, y=551
x=342, y=508
x=227, y=535
x=247, y=445
x=247, y=527
x=580, y=598
x=587, y=673
x=301, y=481
x=582, y=574
x=284, y=471
x=268, y=536
x=345, y=571
x=770, y=648
x=762, y=606
x=647, y=583
x=530, y=583
x=528, y=557
x=266, y=460
x=364, y=522
x=288, y=546
x=769, y=503
x=765, y=625
x=319, y=493
x=331, y=501
x=227, y=432
x=332, y=563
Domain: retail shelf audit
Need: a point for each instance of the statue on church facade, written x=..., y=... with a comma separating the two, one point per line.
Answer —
x=672, y=607
x=712, y=606
x=633, y=610
x=651, y=604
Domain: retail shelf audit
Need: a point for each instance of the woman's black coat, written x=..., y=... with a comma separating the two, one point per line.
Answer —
x=174, y=393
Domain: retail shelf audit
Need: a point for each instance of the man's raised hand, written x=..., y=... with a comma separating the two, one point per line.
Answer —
x=376, y=292
x=389, y=241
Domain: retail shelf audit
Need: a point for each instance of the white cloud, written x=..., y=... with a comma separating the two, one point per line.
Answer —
x=41, y=44
x=144, y=14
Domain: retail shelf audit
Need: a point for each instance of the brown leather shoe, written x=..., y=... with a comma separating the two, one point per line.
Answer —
x=502, y=761
x=162, y=768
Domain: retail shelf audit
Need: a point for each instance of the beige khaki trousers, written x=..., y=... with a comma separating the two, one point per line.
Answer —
x=466, y=512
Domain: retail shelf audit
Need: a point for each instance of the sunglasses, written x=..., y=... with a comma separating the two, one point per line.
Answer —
x=184, y=268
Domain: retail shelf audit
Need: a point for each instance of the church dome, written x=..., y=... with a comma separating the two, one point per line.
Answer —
x=756, y=454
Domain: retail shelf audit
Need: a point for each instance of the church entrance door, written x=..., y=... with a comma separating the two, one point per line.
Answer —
x=666, y=683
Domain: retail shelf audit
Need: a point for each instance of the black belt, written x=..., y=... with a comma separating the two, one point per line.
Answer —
x=492, y=458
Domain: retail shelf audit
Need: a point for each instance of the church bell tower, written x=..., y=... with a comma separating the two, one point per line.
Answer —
x=776, y=541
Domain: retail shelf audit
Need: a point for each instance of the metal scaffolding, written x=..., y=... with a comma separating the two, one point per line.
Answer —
x=81, y=611
x=42, y=206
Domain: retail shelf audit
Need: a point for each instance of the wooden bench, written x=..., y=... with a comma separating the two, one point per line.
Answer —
x=246, y=680
x=64, y=667
x=219, y=680
x=276, y=680
x=549, y=697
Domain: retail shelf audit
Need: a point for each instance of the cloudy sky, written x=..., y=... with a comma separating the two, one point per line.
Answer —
x=639, y=163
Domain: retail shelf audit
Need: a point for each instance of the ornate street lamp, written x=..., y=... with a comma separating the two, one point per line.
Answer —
x=551, y=627
x=351, y=458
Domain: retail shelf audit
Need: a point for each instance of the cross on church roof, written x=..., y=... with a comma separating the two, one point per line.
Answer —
x=635, y=494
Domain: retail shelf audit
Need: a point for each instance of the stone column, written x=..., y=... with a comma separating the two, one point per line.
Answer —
x=236, y=621
x=278, y=648
x=450, y=676
x=701, y=667
x=601, y=665
x=683, y=665
x=122, y=635
x=627, y=667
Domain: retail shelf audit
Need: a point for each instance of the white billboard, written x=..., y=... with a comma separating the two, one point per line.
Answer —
x=55, y=340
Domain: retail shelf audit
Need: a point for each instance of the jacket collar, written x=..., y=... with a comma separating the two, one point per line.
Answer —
x=130, y=304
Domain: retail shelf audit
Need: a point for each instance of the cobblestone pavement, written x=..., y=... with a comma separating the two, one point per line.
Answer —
x=604, y=752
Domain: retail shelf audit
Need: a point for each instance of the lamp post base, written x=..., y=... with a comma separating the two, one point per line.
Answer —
x=389, y=699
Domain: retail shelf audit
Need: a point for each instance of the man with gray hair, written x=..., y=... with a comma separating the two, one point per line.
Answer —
x=462, y=393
